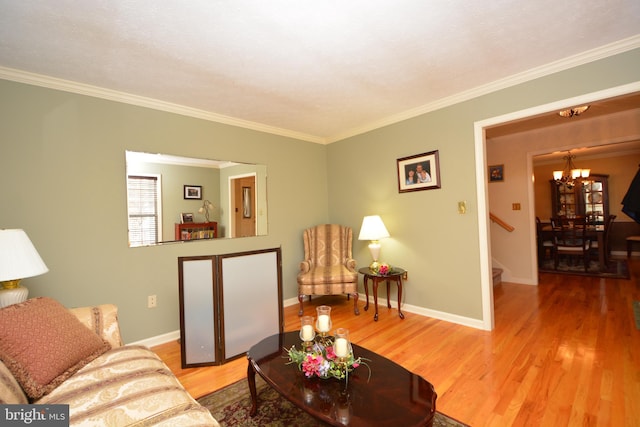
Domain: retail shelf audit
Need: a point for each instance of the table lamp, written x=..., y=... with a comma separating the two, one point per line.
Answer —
x=18, y=259
x=373, y=229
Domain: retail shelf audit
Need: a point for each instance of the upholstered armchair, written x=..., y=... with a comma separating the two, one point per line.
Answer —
x=328, y=267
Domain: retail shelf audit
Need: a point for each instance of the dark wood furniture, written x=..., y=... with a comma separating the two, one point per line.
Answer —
x=589, y=198
x=196, y=230
x=570, y=239
x=395, y=275
x=393, y=396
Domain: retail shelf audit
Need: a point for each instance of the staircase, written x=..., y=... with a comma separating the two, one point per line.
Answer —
x=497, y=276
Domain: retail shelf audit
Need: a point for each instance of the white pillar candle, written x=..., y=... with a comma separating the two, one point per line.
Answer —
x=323, y=323
x=341, y=347
x=307, y=332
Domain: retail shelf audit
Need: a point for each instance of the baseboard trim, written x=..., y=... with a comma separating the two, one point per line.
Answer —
x=435, y=314
x=382, y=302
x=158, y=339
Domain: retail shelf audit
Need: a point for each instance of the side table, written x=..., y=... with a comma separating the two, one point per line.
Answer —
x=395, y=274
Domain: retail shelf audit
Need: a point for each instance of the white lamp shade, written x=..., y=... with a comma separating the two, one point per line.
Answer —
x=18, y=256
x=373, y=228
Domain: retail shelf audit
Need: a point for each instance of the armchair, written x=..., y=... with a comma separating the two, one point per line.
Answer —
x=328, y=267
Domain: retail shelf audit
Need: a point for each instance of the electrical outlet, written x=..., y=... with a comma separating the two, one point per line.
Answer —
x=152, y=302
x=405, y=275
x=462, y=207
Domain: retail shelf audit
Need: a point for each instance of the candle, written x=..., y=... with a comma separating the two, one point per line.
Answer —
x=323, y=323
x=307, y=333
x=341, y=347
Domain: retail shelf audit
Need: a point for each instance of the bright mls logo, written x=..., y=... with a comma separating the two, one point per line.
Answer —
x=34, y=415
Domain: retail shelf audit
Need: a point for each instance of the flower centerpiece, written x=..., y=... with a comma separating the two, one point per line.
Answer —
x=382, y=269
x=320, y=360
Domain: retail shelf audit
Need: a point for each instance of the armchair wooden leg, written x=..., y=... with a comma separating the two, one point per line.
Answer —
x=301, y=310
x=356, y=310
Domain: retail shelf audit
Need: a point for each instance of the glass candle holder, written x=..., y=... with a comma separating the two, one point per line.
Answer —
x=341, y=344
x=307, y=333
x=323, y=322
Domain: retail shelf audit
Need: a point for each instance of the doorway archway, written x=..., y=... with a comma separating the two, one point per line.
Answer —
x=480, y=127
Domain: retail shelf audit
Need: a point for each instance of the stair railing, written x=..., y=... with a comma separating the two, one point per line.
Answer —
x=501, y=223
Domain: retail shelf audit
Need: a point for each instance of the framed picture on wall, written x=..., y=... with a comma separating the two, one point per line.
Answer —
x=496, y=173
x=193, y=192
x=419, y=172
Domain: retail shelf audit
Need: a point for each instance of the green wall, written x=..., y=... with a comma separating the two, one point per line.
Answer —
x=62, y=165
x=439, y=247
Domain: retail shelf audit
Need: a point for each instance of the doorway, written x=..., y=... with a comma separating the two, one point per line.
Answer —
x=243, y=206
x=480, y=127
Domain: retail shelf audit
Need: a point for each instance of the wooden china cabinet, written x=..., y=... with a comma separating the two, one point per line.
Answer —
x=589, y=197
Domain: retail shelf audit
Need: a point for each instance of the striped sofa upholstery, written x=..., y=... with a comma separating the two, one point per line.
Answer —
x=328, y=267
x=127, y=385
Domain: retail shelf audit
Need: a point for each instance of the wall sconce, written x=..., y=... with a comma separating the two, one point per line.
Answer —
x=373, y=229
x=18, y=260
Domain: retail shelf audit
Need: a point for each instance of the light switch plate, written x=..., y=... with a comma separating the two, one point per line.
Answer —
x=462, y=207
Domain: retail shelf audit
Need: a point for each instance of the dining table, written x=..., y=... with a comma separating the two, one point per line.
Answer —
x=594, y=232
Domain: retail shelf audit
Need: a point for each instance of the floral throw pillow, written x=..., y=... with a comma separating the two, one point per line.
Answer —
x=43, y=344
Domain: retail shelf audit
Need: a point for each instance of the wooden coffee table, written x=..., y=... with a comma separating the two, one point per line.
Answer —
x=393, y=396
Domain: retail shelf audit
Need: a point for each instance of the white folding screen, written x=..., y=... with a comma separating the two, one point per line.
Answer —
x=251, y=300
x=198, y=334
x=228, y=303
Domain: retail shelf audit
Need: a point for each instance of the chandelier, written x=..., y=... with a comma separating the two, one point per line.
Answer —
x=570, y=173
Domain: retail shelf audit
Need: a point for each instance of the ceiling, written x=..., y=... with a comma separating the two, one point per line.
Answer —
x=317, y=71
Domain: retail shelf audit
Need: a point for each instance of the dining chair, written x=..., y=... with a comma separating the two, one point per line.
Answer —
x=570, y=240
x=606, y=250
x=545, y=246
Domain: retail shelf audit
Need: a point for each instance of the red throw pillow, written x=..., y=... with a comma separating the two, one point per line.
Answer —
x=43, y=344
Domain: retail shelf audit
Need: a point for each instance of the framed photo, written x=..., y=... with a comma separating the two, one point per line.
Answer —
x=186, y=217
x=193, y=192
x=419, y=172
x=496, y=173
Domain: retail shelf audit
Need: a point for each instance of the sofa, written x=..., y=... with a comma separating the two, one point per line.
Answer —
x=53, y=355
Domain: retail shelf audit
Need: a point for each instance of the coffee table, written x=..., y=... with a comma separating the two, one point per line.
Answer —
x=393, y=396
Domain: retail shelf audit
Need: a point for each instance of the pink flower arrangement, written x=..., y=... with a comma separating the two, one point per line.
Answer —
x=321, y=361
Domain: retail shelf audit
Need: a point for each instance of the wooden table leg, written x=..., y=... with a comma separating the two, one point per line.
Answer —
x=601, y=252
x=251, y=379
x=375, y=297
x=400, y=296
x=388, y=294
x=366, y=291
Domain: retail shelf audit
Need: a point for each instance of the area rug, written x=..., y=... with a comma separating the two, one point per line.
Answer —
x=618, y=269
x=636, y=313
x=231, y=406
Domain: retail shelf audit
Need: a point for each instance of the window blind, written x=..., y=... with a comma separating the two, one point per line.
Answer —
x=142, y=199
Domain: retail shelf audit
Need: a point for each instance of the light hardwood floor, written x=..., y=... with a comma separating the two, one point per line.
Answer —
x=564, y=353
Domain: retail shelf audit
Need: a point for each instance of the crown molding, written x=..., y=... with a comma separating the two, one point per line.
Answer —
x=141, y=101
x=602, y=52
x=112, y=95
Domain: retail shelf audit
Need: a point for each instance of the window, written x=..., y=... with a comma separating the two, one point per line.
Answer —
x=143, y=198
